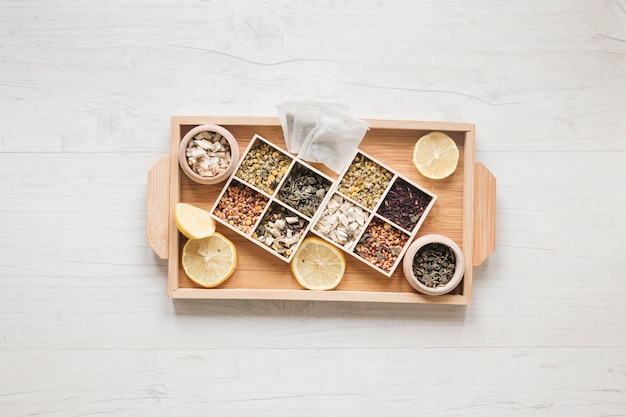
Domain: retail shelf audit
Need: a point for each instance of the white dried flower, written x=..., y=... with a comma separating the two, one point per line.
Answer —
x=207, y=155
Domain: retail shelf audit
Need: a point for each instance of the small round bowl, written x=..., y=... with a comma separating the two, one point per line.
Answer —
x=214, y=179
x=414, y=249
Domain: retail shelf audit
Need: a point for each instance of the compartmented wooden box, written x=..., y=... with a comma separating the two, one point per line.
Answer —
x=384, y=218
x=277, y=218
x=464, y=211
x=264, y=190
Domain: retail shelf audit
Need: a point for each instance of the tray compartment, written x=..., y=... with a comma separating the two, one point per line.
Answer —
x=405, y=205
x=365, y=181
x=263, y=165
x=382, y=245
x=240, y=206
x=341, y=222
x=304, y=189
x=281, y=230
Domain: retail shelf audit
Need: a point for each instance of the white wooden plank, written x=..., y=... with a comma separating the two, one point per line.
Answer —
x=306, y=382
x=86, y=93
x=524, y=73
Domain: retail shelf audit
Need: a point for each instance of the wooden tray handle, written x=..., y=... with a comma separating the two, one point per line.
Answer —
x=158, y=207
x=484, y=213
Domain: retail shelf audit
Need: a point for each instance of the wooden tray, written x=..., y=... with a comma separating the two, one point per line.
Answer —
x=464, y=211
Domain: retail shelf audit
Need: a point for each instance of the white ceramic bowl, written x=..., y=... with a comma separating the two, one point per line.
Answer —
x=414, y=249
x=234, y=154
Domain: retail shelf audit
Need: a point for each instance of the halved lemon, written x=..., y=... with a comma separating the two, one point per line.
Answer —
x=435, y=155
x=318, y=265
x=193, y=222
x=209, y=261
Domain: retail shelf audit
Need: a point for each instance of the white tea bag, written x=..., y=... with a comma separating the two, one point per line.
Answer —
x=299, y=117
x=286, y=112
x=334, y=140
x=305, y=120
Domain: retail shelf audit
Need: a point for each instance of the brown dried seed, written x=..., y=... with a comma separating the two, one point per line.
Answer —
x=236, y=206
x=381, y=245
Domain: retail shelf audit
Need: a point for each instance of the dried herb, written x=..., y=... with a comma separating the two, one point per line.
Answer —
x=381, y=244
x=342, y=221
x=263, y=167
x=365, y=181
x=434, y=265
x=304, y=190
x=280, y=229
x=208, y=154
x=404, y=204
x=241, y=206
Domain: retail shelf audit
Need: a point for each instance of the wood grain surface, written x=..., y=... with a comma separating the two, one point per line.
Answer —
x=86, y=94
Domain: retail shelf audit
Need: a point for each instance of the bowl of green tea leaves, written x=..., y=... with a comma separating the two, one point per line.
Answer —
x=433, y=264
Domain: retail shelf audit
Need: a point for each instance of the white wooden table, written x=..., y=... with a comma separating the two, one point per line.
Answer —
x=86, y=94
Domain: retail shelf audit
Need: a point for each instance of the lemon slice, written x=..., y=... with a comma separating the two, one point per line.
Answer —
x=209, y=261
x=193, y=222
x=318, y=265
x=435, y=155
